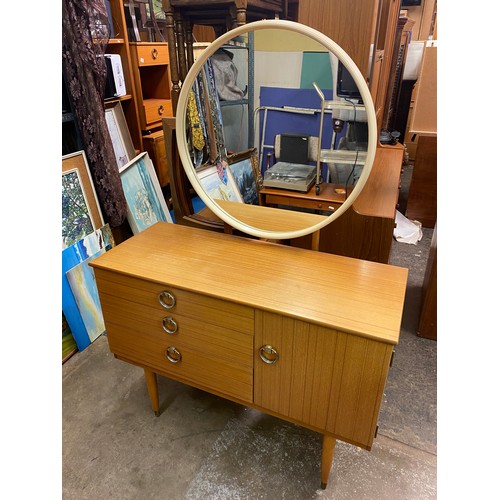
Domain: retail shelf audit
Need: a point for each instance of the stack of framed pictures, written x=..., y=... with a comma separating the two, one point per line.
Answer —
x=84, y=237
x=237, y=180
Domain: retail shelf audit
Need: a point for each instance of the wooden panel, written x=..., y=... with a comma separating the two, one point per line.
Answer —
x=389, y=14
x=375, y=75
x=380, y=194
x=154, y=144
x=323, y=378
x=427, y=326
x=204, y=33
x=422, y=196
x=364, y=297
x=347, y=22
x=298, y=385
x=424, y=116
x=356, y=400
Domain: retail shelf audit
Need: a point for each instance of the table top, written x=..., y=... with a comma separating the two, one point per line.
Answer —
x=351, y=295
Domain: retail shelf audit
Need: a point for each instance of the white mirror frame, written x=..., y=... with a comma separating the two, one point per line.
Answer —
x=181, y=125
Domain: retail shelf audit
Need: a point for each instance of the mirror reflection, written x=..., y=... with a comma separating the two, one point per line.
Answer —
x=274, y=119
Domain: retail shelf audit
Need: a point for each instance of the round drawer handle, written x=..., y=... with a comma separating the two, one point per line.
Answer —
x=161, y=109
x=167, y=300
x=268, y=354
x=169, y=325
x=173, y=355
x=154, y=53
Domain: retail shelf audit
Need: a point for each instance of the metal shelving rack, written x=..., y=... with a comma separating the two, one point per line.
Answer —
x=249, y=100
x=346, y=111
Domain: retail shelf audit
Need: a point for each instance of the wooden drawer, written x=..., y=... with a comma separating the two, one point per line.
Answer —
x=212, y=357
x=272, y=199
x=150, y=54
x=156, y=109
x=214, y=311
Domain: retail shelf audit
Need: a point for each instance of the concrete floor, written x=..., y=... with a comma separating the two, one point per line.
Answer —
x=203, y=447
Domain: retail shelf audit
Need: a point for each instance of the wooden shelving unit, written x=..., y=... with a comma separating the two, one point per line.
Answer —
x=120, y=45
x=148, y=99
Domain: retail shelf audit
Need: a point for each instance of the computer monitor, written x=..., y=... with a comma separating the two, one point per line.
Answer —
x=346, y=86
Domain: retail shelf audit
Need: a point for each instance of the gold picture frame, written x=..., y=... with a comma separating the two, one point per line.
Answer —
x=82, y=197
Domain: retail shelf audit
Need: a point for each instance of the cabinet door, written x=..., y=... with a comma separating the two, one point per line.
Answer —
x=326, y=379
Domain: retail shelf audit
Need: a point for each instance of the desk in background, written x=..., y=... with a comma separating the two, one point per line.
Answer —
x=365, y=231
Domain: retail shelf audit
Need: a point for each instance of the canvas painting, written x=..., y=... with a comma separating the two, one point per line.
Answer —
x=145, y=201
x=81, y=213
x=83, y=286
x=216, y=188
x=244, y=176
x=99, y=240
x=76, y=219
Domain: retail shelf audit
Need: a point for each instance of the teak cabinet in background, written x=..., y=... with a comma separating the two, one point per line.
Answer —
x=152, y=81
x=305, y=336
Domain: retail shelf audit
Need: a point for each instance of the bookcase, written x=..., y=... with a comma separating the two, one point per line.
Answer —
x=119, y=44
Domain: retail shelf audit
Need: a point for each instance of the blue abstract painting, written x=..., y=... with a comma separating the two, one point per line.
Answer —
x=82, y=250
x=82, y=282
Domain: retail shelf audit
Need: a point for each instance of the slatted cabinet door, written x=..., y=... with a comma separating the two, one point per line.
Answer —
x=325, y=379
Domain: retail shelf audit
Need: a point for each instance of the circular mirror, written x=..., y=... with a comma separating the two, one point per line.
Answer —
x=276, y=129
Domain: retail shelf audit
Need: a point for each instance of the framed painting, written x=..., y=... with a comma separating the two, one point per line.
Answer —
x=244, y=167
x=145, y=201
x=81, y=213
x=218, y=183
x=120, y=134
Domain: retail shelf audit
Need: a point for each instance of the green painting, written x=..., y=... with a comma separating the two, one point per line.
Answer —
x=76, y=221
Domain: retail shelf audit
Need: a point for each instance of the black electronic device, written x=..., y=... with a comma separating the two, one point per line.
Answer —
x=292, y=148
x=292, y=171
x=410, y=3
x=110, y=88
x=346, y=86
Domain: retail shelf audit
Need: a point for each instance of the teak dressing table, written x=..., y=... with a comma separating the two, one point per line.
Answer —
x=302, y=335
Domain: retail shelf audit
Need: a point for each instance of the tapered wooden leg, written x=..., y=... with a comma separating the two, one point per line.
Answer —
x=152, y=384
x=327, y=458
